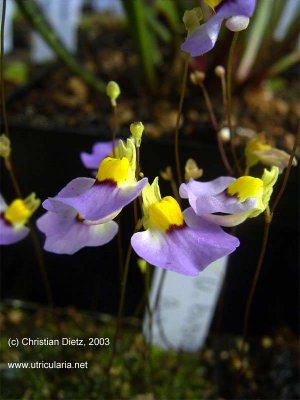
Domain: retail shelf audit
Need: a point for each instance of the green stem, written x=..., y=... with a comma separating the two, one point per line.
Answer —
x=114, y=130
x=32, y=12
x=215, y=126
x=148, y=305
x=121, y=303
x=224, y=95
x=268, y=220
x=10, y=169
x=121, y=309
x=3, y=97
x=118, y=219
x=150, y=324
x=229, y=105
x=179, y=111
x=209, y=107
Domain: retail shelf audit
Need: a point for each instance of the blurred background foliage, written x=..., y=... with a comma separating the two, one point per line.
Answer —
x=157, y=29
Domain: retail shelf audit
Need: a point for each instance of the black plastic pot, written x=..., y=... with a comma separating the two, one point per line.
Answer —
x=45, y=159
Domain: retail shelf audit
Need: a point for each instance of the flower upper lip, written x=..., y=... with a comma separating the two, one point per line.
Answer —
x=204, y=38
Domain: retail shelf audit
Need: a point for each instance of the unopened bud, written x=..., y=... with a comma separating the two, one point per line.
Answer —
x=192, y=170
x=237, y=23
x=5, y=147
x=266, y=342
x=137, y=129
x=113, y=92
x=32, y=202
x=167, y=174
x=197, y=77
x=220, y=71
x=224, y=134
x=192, y=18
x=142, y=264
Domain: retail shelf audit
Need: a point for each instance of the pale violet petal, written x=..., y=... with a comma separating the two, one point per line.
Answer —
x=100, y=150
x=227, y=220
x=65, y=234
x=103, y=199
x=187, y=250
x=9, y=234
x=229, y=8
x=203, y=38
x=211, y=197
x=72, y=189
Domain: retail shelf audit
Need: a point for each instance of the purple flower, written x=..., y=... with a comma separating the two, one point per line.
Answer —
x=14, y=217
x=66, y=231
x=239, y=199
x=211, y=197
x=203, y=38
x=115, y=186
x=100, y=150
x=181, y=242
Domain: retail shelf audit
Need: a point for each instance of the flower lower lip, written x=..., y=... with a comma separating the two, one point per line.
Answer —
x=103, y=220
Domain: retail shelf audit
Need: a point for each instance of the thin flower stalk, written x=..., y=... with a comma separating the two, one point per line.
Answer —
x=4, y=112
x=10, y=169
x=229, y=103
x=121, y=304
x=115, y=124
x=179, y=111
x=216, y=128
x=269, y=214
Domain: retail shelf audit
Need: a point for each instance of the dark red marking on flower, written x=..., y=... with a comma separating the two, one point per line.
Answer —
x=79, y=218
x=109, y=182
x=8, y=223
x=175, y=227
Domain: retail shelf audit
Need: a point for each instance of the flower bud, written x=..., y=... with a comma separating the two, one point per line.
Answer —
x=220, y=71
x=142, y=264
x=224, y=134
x=197, y=77
x=266, y=342
x=167, y=174
x=113, y=92
x=192, y=170
x=137, y=129
x=192, y=18
x=5, y=147
x=237, y=23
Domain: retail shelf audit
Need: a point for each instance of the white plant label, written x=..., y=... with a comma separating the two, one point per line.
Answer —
x=186, y=307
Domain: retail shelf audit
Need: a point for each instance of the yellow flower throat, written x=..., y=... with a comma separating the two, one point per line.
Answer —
x=17, y=212
x=165, y=214
x=246, y=187
x=213, y=3
x=113, y=169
